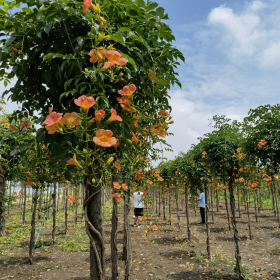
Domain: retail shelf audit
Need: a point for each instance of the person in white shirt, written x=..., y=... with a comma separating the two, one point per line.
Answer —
x=202, y=205
x=138, y=206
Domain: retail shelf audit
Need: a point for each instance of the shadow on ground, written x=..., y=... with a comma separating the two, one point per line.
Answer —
x=200, y=275
x=182, y=254
x=171, y=240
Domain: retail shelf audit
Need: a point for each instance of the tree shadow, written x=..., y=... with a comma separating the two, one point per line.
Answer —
x=19, y=261
x=230, y=239
x=200, y=275
x=218, y=230
x=182, y=254
x=171, y=240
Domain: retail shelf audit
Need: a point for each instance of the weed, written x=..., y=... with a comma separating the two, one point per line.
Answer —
x=73, y=246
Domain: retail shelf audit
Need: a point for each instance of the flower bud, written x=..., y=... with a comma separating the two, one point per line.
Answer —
x=101, y=37
x=96, y=8
x=110, y=160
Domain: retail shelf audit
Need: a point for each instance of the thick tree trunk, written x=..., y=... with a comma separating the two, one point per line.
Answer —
x=126, y=237
x=2, y=200
x=226, y=202
x=33, y=219
x=207, y=220
x=235, y=236
x=114, y=230
x=54, y=213
x=24, y=206
x=93, y=220
x=248, y=213
x=187, y=212
x=169, y=206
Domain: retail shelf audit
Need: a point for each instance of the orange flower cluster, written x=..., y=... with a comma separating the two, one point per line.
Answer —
x=157, y=129
x=261, y=144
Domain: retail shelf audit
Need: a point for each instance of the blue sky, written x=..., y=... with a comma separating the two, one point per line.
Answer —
x=232, y=51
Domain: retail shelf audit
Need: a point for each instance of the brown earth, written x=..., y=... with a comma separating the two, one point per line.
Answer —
x=163, y=254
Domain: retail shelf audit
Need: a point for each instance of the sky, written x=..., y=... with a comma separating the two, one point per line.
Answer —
x=232, y=52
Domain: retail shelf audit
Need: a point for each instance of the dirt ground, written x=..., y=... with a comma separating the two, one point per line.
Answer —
x=163, y=254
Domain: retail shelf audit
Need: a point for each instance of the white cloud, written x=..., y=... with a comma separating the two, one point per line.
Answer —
x=271, y=55
x=242, y=28
x=256, y=6
x=252, y=33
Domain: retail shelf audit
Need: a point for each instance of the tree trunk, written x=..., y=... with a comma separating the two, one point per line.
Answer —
x=217, y=199
x=93, y=220
x=40, y=204
x=169, y=206
x=2, y=199
x=248, y=213
x=273, y=201
x=259, y=200
x=255, y=202
x=159, y=198
x=226, y=202
x=10, y=201
x=276, y=204
x=65, y=212
x=163, y=207
x=32, y=201
x=24, y=206
x=114, y=248
x=235, y=236
x=48, y=204
x=187, y=212
x=126, y=237
x=156, y=203
x=177, y=207
x=103, y=204
x=207, y=220
x=238, y=199
x=212, y=205
x=57, y=196
x=54, y=213
x=33, y=219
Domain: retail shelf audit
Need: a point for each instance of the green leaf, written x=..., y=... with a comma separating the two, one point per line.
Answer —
x=118, y=37
x=48, y=27
x=80, y=41
x=47, y=77
x=41, y=135
x=10, y=41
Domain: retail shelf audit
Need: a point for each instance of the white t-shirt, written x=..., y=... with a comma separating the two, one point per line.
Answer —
x=138, y=200
x=202, y=200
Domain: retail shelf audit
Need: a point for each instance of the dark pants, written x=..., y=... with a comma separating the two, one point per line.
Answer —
x=202, y=213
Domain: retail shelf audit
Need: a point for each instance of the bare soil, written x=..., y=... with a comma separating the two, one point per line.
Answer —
x=163, y=254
